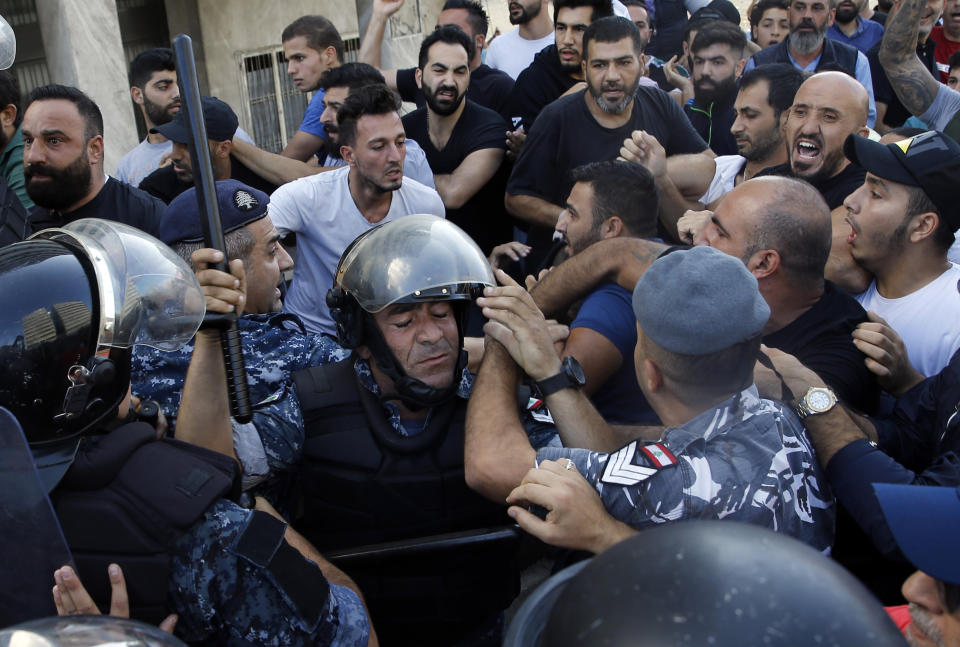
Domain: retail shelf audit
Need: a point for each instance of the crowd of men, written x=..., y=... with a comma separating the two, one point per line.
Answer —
x=624, y=265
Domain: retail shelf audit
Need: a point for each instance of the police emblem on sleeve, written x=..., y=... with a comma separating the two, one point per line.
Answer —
x=245, y=201
x=632, y=464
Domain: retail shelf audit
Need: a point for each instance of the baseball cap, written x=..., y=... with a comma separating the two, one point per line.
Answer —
x=699, y=301
x=239, y=205
x=220, y=119
x=930, y=161
x=717, y=10
x=925, y=521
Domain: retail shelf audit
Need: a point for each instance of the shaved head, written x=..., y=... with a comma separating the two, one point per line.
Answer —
x=848, y=92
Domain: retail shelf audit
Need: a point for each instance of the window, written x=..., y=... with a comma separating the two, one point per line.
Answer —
x=275, y=104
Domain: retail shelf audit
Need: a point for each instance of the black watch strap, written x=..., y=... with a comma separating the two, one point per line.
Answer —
x=570, y=377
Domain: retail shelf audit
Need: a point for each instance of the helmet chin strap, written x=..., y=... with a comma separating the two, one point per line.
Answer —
x=413, y=393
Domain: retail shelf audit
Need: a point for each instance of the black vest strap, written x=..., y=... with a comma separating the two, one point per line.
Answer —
x=159, y=490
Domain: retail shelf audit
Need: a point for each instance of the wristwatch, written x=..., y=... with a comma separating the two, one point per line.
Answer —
x=817, y=400
x=570, y=377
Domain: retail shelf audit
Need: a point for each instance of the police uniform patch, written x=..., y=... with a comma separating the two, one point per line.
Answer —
x=538, y=410
x=629, y=467
x=245, y=201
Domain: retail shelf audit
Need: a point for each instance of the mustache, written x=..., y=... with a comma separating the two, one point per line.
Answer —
x=34, y=169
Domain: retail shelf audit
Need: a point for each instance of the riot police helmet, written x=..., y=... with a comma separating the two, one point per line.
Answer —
x=414, y=259
x=86, y=631
x=75, y=302
x=717, y=583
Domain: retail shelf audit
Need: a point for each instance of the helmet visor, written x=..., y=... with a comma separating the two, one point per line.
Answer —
x=149, y=295
x=414, y=258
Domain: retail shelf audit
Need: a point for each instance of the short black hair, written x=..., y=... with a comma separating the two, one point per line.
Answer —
x=319, y=32
x=350, y=75
x=368, y=100
x=721, y=32
x=450, y=34
x=89, y=111
x=783, y=81
x=149, y=61
x=10, y=94
x=622, y=189
x=696, y=25
x=601, y=8
x=756, y=14
x=954, y=60
x=477, y=17
x=610, y=30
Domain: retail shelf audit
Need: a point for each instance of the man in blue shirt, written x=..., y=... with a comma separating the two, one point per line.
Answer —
x=608, y=200
x=850, y=28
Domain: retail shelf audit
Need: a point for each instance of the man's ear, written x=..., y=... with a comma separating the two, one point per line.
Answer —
x=8, y=115
x=329, y=57
x=95, y=149
x=742, y=63
x=763, y=263
x=418, y=75
x=612, y=227
x=222, y=149
x=652, y=375
x=346, y=152
x=137, y=95
x=364, y=352
x=923, y=226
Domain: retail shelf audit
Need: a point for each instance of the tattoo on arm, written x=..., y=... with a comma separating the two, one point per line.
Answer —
x=913, y=83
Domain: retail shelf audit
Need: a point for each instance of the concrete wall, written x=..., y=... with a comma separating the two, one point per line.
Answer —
x=232, y=28
x=83, y=49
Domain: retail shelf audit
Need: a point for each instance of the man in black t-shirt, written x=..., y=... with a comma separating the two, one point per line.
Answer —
x=827, y=107
x=63, y=166
x=167, y=182
x=558, y=67
x=463, y=141
x=488, y=87
x=591, y=126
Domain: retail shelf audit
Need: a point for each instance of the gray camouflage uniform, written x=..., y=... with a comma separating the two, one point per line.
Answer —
x=746, y=459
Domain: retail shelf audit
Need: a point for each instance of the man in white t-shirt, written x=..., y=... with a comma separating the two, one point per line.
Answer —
x=329, y=210
x=513, y=51
x=902, y=223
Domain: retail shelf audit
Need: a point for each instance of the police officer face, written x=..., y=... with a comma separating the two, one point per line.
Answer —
x=264, y=267
x=423, y=337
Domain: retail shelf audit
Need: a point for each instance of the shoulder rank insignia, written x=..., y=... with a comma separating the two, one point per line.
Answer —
x=628, y=466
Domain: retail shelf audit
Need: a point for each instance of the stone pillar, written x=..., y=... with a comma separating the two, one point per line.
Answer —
x=83, y=47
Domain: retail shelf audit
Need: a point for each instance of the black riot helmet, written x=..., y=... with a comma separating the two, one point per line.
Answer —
x=75, y=302
x=716, y=583
x=414, y=259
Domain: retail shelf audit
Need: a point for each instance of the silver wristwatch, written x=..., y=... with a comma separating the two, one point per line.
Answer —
x=817, y=400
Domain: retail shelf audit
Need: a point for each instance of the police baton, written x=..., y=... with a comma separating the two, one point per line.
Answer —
x=212, y=228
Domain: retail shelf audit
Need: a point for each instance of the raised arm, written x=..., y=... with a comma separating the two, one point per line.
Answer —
x=204, y=416
x=373, y=38
x=912, y=82
x=620, y=260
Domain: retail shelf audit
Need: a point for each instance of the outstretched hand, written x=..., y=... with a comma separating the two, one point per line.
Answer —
x=72, y=599
x=517, y=323
x=576, y=517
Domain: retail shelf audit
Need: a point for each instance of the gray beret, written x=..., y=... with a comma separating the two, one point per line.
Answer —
x=699, y=301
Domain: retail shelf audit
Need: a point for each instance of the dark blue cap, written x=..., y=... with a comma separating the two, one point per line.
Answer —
x=239, y=206
x=925, y=521
x=220, y=119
